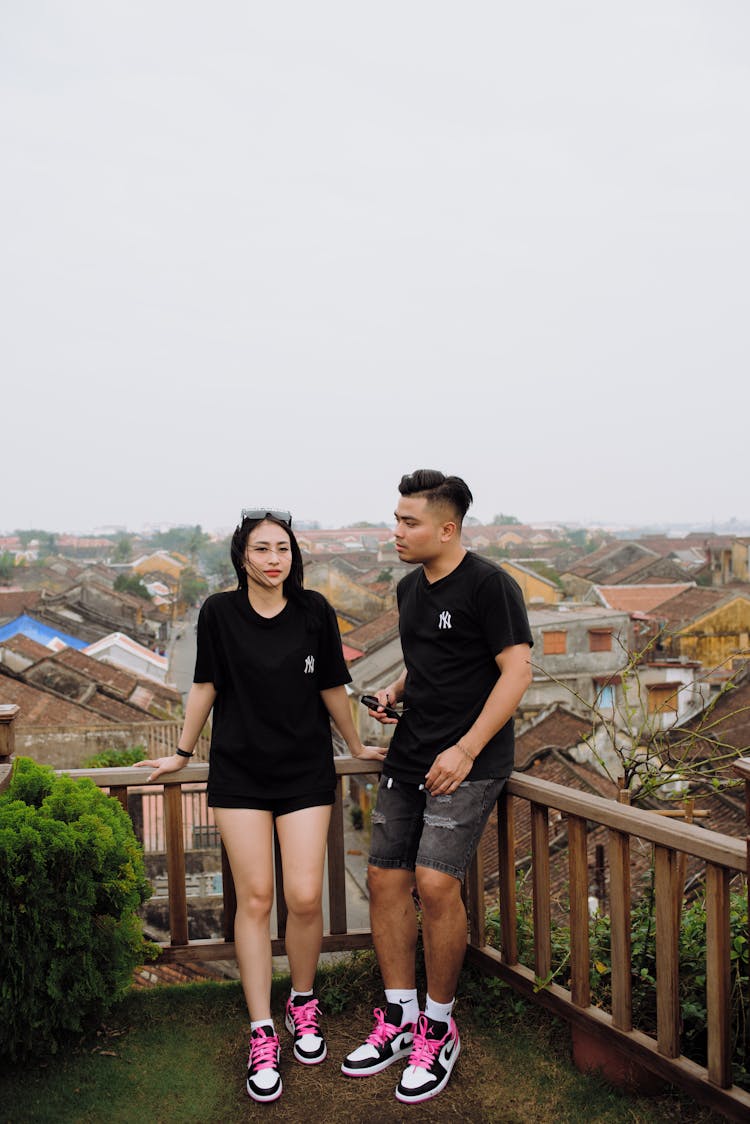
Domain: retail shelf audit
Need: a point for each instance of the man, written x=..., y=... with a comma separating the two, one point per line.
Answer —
x=466, y=645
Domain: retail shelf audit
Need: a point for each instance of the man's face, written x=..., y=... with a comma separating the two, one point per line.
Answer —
x=420, y=529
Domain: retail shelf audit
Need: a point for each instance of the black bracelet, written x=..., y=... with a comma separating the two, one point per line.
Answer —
x=184, y=753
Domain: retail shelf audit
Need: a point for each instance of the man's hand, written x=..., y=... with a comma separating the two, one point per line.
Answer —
x=447, y=771
x=383, y=700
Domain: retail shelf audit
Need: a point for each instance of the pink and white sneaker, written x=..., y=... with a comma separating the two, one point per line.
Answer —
x=433, y=1056
x=263, y=1077
x=388, y=1042
x=303, y=1021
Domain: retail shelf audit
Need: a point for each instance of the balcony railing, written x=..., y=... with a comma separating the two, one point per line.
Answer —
x=723, y=859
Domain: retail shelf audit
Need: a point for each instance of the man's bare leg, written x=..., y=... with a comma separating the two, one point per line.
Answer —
x=443, y=931
x=393, y=920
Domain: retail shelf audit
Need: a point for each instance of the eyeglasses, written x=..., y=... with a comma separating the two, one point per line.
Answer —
x=260, y=513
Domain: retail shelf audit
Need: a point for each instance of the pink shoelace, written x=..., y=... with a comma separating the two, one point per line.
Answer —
x=306, y=1017
x=383, y=1031
x=263, y=1049
x=424, y=1048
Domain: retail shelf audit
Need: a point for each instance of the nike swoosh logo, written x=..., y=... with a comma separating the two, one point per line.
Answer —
x=448, y=1051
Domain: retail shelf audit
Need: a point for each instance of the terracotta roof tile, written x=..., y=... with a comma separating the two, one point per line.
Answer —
x=40, y=708
x=25, y=646
x=558, y=727
x=374, y=633
x=640, y=598
x=590, y=563
x=724, y=727
x=689, y=605
x=13, y=603
x=115, y=710
x=108, y=675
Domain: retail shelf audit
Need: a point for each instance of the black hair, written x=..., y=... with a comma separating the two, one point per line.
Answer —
x=293, y=585
x=437, y=488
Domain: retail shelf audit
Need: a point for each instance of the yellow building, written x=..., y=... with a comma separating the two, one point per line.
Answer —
x=536, y=589
x=708, y=625
x=161, y=562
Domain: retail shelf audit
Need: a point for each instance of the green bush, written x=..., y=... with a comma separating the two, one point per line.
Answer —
x=71, y=879
x=116, y=758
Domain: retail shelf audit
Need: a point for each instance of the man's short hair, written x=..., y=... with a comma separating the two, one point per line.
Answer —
x=437, y=488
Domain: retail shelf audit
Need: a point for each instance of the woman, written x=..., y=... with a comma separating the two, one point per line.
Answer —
x=270, y=664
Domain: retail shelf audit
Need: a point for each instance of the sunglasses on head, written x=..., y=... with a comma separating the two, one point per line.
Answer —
x=260, y=513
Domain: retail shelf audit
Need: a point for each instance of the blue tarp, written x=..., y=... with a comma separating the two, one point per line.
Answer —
x=35, y=630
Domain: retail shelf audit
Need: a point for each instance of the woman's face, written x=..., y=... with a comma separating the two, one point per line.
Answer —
x=268, y=556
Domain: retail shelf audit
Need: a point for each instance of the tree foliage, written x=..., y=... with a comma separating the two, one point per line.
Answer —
x=185, y=540
x=215, y=560
x=192, y=586
x=116, y=758
x=123, y=549
x=631, y=747
x=132, y=583
x=71, y=879
x=47, y=540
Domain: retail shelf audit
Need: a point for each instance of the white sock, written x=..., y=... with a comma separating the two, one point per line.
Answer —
x=294, y=994
x=262, y=1022
x=407, y=1000
x=440, y=1012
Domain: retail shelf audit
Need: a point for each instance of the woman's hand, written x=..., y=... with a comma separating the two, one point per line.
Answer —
x=369, y=752
x=163, y=765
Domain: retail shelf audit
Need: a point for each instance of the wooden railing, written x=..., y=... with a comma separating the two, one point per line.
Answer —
x=180, y=947
x=722, y=857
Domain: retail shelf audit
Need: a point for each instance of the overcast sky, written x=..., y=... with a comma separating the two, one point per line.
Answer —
x=281, y=253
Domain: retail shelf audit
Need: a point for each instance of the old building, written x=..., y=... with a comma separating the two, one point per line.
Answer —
x=536, y=587
x=579, y=652
x=710, y=626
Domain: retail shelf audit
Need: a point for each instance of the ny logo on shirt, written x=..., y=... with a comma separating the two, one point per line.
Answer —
x=445, y=619
x=309, y=665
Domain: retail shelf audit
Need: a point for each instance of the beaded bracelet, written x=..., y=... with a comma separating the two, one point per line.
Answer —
x=465, y=752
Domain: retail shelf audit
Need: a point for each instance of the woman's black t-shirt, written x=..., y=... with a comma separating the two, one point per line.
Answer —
x=451, y=632
x=271, y=733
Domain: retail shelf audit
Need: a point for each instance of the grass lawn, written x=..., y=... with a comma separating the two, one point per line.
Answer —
x=177, y=1055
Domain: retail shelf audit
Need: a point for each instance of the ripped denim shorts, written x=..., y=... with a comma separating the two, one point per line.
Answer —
x=411, y=828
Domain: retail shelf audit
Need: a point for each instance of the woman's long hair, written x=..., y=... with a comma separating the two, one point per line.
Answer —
x=293, y=585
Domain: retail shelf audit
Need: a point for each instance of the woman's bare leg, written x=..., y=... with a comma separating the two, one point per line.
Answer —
x=247, y=835
x=302, y=839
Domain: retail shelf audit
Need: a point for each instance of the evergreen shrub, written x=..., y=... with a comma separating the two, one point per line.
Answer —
x=116, y=758
x=71, y=879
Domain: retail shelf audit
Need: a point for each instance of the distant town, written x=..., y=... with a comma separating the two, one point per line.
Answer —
x=640, y=693
x=649, y=625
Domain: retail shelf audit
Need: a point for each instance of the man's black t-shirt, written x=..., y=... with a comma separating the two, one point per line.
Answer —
x=451, y=632
x=271, y=734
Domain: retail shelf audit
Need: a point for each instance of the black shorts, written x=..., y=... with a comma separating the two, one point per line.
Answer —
x=278, y=805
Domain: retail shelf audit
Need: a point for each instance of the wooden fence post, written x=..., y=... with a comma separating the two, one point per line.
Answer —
x=8, y=715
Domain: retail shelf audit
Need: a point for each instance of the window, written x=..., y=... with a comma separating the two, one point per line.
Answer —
x=555, y=643
x=662, y=698
x=600, y=639
x=606, y=698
